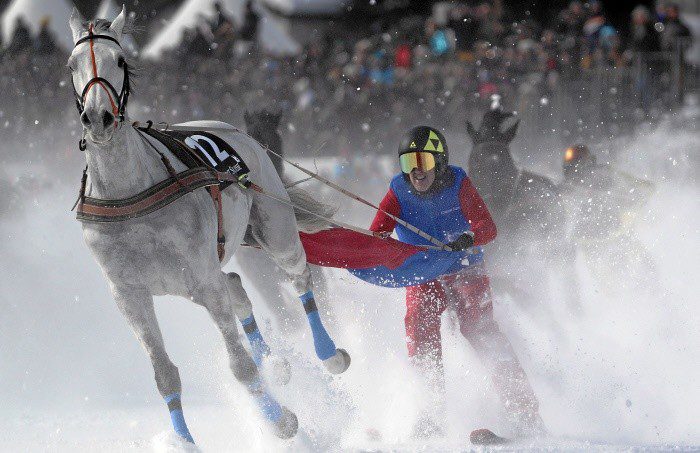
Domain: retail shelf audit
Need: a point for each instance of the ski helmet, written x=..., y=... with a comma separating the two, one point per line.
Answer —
x=423, y=147
x=577, y=157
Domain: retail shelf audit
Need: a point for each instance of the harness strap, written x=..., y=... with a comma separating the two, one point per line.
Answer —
x=190, y=159
x=99, y=80
x=334, y=222
x=177, y=185
x=117, y=101
x=163, y=157
x=181, y=151
x=81, y=193
x=215, y=192
x=440, y=245
x=154, y=198
x=150, y=200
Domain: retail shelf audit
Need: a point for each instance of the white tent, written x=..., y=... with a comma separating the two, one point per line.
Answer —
x=693, y=22
x=270, y=33
x=33, y=12
x=109, y=9
x=308, y=7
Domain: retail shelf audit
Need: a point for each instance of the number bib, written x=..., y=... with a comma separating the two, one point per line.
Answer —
x=212, y=150
x=199, y=148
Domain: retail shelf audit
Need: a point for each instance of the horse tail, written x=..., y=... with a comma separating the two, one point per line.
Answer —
x=311, y=214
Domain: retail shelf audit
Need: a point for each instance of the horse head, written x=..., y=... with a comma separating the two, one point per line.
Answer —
x=262, y=125
x=100, y=75
x=490, y=129
x=491, y=165
x=263, y=122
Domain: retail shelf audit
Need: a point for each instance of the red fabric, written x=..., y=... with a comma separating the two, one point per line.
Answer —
x=475, y=210
x=382, y=222
x=487, y=89
x=338, y=247
x=470, y=295
x=426, y=303
x=402, y=58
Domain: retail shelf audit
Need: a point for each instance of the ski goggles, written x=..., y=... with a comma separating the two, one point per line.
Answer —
x=423, y=161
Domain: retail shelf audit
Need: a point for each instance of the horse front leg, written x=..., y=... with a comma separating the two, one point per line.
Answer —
x=216, y=299
x=137, y=307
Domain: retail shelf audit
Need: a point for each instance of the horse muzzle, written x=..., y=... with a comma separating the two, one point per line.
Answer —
x=99, y=124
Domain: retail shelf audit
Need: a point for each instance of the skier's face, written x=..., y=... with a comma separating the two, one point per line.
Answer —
x=422, y=180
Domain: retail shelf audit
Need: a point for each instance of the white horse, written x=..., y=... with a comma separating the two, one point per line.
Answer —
x=173, y=250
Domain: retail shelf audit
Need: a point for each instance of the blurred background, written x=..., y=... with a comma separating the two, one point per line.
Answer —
x=356, y=73
x=348, y=78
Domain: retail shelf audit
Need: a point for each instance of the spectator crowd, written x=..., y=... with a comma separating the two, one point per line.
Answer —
x=564, y=77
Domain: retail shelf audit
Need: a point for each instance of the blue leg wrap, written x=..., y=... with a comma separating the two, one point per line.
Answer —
x=325, y=348
x=267, y=404
x=257, y=343
x=177, y=417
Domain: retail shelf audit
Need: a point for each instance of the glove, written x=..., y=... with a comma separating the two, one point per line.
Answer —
x=463, y=242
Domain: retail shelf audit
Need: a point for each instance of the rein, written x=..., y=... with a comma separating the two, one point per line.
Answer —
x=158, y=196
x=438, y=244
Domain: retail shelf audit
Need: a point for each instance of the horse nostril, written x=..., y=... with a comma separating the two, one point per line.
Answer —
x=84, y=119
x=107, y=119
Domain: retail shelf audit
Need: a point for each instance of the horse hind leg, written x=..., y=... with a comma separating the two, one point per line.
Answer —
x=336, y=360
x=277, y=367
x=216, y=300
x=137, y=308
x=274, y=228
x=273, y=225
x=263, y=275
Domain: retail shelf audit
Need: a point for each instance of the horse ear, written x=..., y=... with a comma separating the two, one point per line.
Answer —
x=473, y=134
x=118, y=23
x=509, y=134
x=76, y=24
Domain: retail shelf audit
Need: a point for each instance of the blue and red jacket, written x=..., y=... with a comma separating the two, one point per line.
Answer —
x=444, y=215
x=387, y=262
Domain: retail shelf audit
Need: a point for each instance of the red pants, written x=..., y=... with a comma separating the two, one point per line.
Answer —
x=469, y=293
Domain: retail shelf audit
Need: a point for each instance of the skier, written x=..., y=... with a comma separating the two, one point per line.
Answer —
x=440, y=199
x=603, y=204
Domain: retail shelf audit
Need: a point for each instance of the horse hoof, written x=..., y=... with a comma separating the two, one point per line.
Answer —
x=286, y=427
x=338, y=363
x=276, y=369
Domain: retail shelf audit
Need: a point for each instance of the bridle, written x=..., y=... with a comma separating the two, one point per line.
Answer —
x=119, y=100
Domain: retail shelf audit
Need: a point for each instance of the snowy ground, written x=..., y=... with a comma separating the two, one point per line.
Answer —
x=620, y=377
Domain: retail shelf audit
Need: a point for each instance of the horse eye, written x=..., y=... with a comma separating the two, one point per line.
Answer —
x=121, y=62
